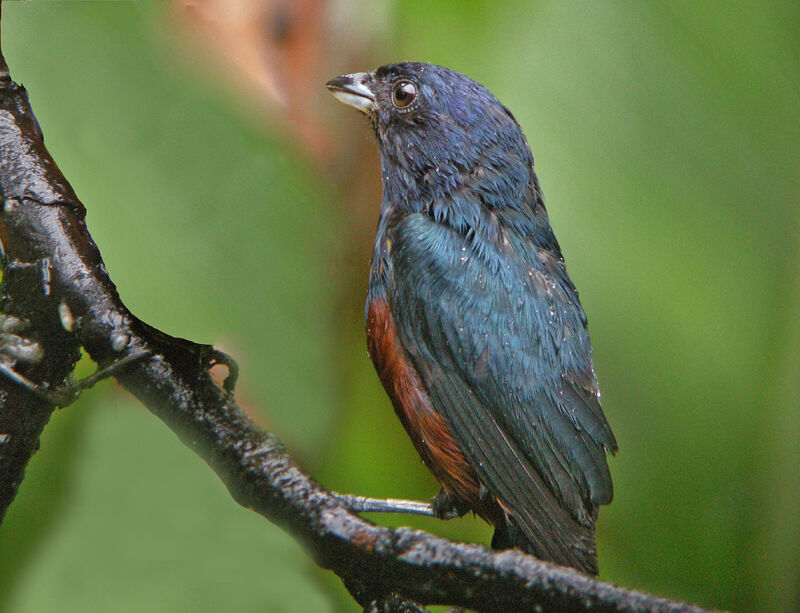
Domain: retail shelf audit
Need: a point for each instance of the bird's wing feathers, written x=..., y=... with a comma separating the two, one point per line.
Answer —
x=499, y=462
x=489, y=342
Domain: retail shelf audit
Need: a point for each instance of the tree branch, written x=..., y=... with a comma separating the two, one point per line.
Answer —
x=54, y=278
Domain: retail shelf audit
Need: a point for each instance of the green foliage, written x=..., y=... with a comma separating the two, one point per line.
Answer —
x=144, y=531
x=667, y=139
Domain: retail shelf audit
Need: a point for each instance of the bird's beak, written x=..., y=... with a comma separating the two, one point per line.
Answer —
x=354, y=89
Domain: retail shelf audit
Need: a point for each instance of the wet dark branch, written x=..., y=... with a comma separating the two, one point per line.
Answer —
x=54, y=279
x=28, y=308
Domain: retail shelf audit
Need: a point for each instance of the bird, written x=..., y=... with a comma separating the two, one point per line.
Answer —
x=472, y=323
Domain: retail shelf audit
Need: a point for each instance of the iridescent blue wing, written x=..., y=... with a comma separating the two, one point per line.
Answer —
x=495, y=329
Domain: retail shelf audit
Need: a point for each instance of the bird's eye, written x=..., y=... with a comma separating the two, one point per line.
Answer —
x=403, y=94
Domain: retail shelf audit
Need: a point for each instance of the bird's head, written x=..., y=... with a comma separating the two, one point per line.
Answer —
x=438, y=131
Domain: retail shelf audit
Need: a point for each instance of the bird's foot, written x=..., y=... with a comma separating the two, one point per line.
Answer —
x=447, y=506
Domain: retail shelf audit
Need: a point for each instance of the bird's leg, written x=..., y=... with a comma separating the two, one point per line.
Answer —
x=363, y=504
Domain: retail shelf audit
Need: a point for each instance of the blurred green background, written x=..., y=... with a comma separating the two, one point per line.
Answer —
x=667, y=140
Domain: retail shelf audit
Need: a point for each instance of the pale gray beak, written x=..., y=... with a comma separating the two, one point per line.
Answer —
x=354, y=89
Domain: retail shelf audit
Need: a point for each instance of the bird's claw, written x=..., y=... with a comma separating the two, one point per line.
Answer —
x=446, y=506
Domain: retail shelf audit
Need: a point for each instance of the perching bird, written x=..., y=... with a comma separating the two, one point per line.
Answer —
x=473, y=325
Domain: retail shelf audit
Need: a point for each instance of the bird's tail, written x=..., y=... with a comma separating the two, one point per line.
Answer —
x=508, y=535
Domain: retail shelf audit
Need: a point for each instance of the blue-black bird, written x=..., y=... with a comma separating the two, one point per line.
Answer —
x=472, y=322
